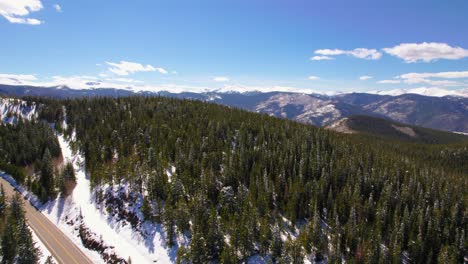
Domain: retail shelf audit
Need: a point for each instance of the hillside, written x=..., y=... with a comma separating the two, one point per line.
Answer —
x=391, y=130
x=189, y=181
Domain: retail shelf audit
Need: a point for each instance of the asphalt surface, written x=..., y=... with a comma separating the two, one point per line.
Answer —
x=58, y=244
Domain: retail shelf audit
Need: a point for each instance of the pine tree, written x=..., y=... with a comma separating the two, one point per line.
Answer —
x=169, y=224
x=47, y=175
x=28, y=253
x=294, y=252
x=228, y=256
x=68, y=177
x=214, y=239
x=16, y=214
x=277, y=245
x=9, y=244
x=146, y=209
x=197, y=248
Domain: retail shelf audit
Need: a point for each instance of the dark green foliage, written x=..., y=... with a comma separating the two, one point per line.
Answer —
x=28, y=253
x=67, y=178
x=26, y=142
x=239, y=174
x=293, y=252
x=17, y=245
x=18, y=173
x=47, y=176
x=68, y=173
x=9, y=243
x=30, y=143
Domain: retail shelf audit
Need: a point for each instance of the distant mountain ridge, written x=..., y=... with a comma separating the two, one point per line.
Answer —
x=448, y=113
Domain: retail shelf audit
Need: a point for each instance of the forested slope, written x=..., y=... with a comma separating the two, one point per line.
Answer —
x=242, y=180
x=391, y=130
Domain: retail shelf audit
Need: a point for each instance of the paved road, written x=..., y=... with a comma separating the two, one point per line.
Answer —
x=59, y=245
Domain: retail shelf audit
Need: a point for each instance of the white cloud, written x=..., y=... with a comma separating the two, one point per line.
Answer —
x=442, y=75
x=162, y=70
x=319, y=58
x=16, y=11
x=313, y=78
x=221, y=79
x=389, y=81
x=431, y=78
x=57, y=8
x=365, y=78
x=14, y=79
x=428, y=78
x=124, y=68
x=368, y=54
x=330, y=52
x=361, y=53
x=426, y=52
x=125, y=80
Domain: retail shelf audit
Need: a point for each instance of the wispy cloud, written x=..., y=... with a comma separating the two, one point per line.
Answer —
x=361, y=53
x=426, y=52
x=221, y=79
x=57, y=8
x=365, y=78
x=431, y=78
x=124, y=68
x=16, y=78
x=319, y=58
x=313, y=78
x=16, y=11
x=443, y=75
x=389, y=81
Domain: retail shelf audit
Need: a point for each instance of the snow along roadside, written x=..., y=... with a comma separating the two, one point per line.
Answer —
x=120, y=238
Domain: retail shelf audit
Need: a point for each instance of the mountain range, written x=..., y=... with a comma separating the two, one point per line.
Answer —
x=447, y=112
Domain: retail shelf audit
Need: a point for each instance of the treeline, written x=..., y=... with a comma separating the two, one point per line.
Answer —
x=243, y=179
x=17, y=244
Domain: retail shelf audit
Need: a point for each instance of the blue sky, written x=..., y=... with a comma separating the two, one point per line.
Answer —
x=256, y=44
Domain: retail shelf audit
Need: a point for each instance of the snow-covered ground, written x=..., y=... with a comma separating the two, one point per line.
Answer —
x=11, y=109
x=80, y=209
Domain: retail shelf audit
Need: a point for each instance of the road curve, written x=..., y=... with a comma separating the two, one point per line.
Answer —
x=59, y=245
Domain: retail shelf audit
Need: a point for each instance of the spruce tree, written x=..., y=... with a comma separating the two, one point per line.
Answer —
x=9, y=244
x=47, y=175
x=214, y=239
x=28, y=253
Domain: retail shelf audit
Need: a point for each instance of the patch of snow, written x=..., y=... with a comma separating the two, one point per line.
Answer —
x=13, y=109
x=170, y=172
x=214, y=97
